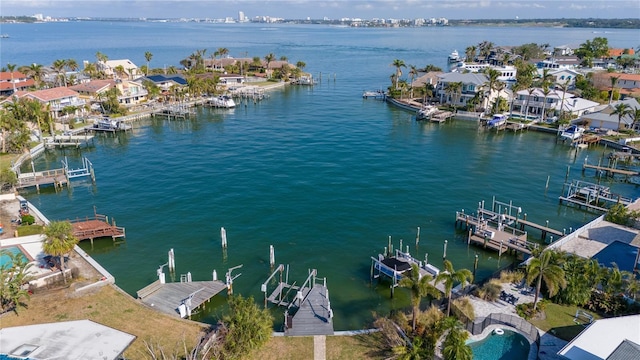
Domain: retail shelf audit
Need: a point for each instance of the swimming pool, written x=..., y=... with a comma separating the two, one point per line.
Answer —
x=5, y=259
x=509, y=346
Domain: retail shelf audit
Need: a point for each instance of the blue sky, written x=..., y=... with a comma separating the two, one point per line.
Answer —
x=315, y=9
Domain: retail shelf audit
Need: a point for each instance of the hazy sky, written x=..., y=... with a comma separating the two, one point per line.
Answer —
x=317, y=9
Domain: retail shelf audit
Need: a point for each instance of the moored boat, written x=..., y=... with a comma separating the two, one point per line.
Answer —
x=426, y=112
x=497, y=121
x=454, y=57
x=222, y=101
x=378, y=94
x=573, y=132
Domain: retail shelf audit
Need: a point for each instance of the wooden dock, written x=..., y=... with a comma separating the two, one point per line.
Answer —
x=308, y=309
x=441, y=116
x=170, y=297
x=95, y=227
x=610, y=171
x=499, y=237
x=591, y=196
x=67, y=140
x=56, y=177
x=313, y=317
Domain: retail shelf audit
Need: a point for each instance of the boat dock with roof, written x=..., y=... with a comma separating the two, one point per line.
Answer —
x=308, y=309
x=395, y=266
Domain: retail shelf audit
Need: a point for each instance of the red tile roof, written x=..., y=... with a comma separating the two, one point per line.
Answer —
x=620, y=52
x=52, y=94
x=6, y=75
x=7, y=85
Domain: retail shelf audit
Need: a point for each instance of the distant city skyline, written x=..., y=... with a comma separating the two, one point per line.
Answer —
x=336, y=9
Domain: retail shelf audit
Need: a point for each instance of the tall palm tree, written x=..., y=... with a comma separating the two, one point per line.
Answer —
x=419, y=287
x=413, y=74
x=454, y=90
x=269, y=58
x=34, y=71
x=614, y=81
x=301, y=65
x=470, y=53
x=148, y=56
x=564, y=87
x=544, y=268
x=493, y=83
x=398, y=64
x=621, y=110
x=635, y=116
x=58, y=66
x=449, y=276
x=13, y=275
x=222, y=52
x=545, y=91
x=59, y=241
x=11, y=68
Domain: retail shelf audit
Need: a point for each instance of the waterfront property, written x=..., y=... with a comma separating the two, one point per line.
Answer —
x=397, y=265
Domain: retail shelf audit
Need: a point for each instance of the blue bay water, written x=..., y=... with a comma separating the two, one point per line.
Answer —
x=318, y=172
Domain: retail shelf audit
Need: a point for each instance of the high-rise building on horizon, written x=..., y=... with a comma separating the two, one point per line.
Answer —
x=241, y=17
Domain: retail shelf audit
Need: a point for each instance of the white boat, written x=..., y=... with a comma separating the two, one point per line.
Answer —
x=497, y=120
x=373, y=94
x=107, y=124
x=573, y=132
x=426, y=112
x=222, y=101
x=454, y=57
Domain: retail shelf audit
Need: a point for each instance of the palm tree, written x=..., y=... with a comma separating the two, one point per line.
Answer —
x=413, y=73
x=564, y=86
x=454, y=345
x=222, y=52
x=621, y=110
x=635, y=116
x=493, y=84
x=13, y=275
x=449, y=276
x=543, y=268
x=11, y=68
x=453, y=89
x=269, y=58
x=546, y=91
x=33, y=71
x=284, y=58
x=398, y=64
x=148, y=56
x=419, y=287
x=470, y=53
x=301, y=65
x=58, y=66
x=59, y=241
x=614, y=81
x=119, y=70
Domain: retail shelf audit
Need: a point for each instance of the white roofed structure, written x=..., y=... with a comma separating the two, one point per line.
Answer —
x=603, y=337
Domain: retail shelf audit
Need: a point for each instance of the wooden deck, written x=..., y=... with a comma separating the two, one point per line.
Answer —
x=168, y=297
x=96, y=227
x=609, y=170
x=313, y=317
x=498, y=238
x=56, y=177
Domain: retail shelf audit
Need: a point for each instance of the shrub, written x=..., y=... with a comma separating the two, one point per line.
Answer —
x=490, y=291
x=526, y=311
x=463, y=309
x=28, y=219
x=511, y=276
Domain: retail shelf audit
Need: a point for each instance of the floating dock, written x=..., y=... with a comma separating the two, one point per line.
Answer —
x=308, y=309
x=67, y=140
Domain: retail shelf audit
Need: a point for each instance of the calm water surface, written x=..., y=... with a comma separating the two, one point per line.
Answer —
x=319, y=173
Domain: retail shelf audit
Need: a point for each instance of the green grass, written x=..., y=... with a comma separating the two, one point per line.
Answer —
x=559, y=321
x=26, y=230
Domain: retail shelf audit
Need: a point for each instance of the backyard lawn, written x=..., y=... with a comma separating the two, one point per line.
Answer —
x=559, y=321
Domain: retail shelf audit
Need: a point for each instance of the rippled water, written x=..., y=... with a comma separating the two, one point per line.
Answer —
x=318, y=172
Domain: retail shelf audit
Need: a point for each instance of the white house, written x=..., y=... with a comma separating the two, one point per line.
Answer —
x=556, y=101
x=614, y=338
x=602, y=116
x=472, y=83
x=131, y=70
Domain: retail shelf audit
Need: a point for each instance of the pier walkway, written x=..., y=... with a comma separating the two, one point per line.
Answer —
x=179, y=298
x=96, y=227
x=499, y=237
x=308, y=309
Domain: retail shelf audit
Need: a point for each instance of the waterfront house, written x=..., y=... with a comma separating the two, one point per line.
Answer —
x=472, y=84
x=110, y=69
x=11, y=82
x=507, y=73
x=627, y=85
x=131, y=92
x=71, y=340
x=559, y=62
x=612, y=339
x=555, y=102
x=55, y=99
x=167, y=82
x=602, y=116
x=563, y=50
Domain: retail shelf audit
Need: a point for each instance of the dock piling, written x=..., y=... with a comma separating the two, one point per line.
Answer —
x=444, y=254
x=223, y=237
x=272, y=256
